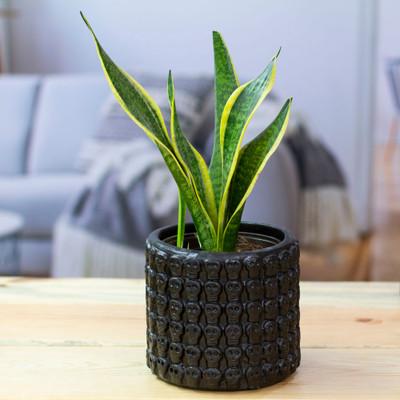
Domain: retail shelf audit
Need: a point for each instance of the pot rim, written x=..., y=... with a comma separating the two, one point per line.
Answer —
x=156, y=238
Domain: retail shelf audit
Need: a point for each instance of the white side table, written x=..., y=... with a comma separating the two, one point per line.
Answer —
x=10, y=227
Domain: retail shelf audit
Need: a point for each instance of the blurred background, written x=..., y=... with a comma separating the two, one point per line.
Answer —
x=79, y=187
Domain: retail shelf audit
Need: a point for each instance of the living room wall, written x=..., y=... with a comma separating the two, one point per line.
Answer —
x=325, y=58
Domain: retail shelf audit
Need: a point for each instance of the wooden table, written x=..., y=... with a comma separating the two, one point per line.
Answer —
x=85, y=339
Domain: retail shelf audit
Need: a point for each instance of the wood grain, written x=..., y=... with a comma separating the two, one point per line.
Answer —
x=84, y=339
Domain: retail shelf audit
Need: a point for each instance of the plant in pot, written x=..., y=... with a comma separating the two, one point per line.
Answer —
x=222, y=296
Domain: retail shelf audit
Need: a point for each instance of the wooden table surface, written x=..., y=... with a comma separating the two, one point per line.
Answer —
x=85, y=339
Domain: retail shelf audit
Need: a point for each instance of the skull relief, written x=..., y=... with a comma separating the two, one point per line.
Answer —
x=270, y=265
x=270, y=309
x=192, y=376
x=151, y=320
x=192, y=334
x=212, y=311
x=233, y=267
x=270, y=330
x=233, y=356
x=254, y=332
x=283, y=325
x=161, y=261
x=192, y=268
x=232, y=377
x=234, y=312
x=253, y=267
x=175, y=309
x=233, y=290
x=162, y=303
x=192, y=290
x=254, y=289
x=212, y=333
x=254, y=311
x=193, y=311
x=176, y=372
x=152, y=341
x=175, y=286
x=150, y=276
x=213, y=289
x=175, y=331
x=283, y=283
x=284, y=260
x=175, y=267
x=254, y=376
x=212, y=356
x=270, y=352
x=161, y=282
x=162, y=325
x=254, y=353
x=192, y=356
x=271, y=287
x=162, y=345
x=233, y=334
x=151, y=299
x=175, y=352
x=212, y=377
x=162, y=366
x=283, y=304
x=212, y=268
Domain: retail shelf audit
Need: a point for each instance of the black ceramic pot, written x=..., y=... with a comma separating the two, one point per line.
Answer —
x=223, y=321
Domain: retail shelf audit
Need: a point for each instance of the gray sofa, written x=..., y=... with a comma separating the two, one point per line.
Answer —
x=43, y=123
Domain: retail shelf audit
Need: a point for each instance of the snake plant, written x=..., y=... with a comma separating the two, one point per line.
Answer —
x=215, y=196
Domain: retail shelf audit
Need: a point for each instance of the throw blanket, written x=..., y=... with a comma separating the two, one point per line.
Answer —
x=129, y=193
x=325, y=212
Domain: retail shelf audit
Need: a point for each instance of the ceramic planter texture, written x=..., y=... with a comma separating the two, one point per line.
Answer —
x=223, y=321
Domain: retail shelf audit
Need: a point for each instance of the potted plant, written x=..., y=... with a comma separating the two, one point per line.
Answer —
x=222, y=296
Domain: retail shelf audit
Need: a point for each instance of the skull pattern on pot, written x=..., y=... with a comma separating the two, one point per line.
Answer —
x=192, y=376
x=192, y=269
x=223, y=323
x=192, y=334
x=213, y=356
x=233, y=355
x=233, y=334
x=192, y=355
x=234, y=312
x=213, y=312
x=212, y=289
x=192, y=289
x=232, y=377
x=175, y=309
x=212, y=334
x=213, y=269
x=233, y=290
x=233, y=267
x=193, y=311
x=175, y=287
x=175, y=352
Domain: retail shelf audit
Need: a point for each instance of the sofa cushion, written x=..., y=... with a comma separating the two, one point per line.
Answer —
x=39, y=199
x=17, y=95
x=67, y=112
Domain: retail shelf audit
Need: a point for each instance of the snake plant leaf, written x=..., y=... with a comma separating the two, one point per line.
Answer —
x=252, y=159
x=226, y=82
x=191, y=159
x=131, y=95
x=146, y=114
x=235, y=118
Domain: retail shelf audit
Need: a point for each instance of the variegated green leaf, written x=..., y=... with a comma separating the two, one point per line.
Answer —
x=226, y=82
x=235, y=118
x=252, y=159
x=191, y=159
x=143, y=110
